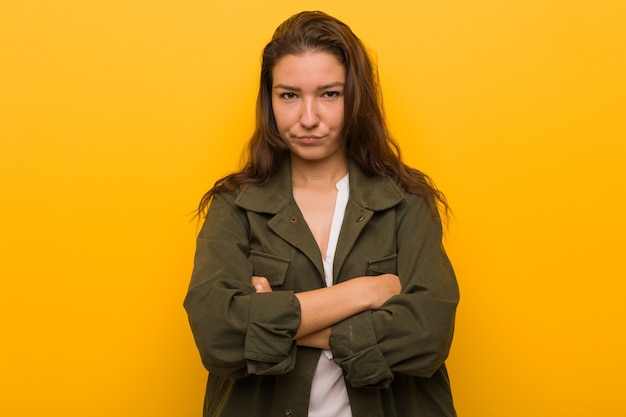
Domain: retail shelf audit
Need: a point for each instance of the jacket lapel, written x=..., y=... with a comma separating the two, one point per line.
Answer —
x=276, y=197
x=354, y=221
x=290, y=225
x=367, y=196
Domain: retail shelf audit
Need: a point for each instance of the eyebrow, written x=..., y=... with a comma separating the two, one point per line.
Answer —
x=320, y=88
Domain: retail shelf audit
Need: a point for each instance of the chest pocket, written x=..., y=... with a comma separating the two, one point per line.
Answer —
x=269, y=266
x=386, y=265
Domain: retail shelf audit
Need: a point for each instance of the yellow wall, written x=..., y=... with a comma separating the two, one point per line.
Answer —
x=115, y=116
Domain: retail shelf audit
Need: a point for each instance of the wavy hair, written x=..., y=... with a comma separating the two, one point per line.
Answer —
x=368, y=140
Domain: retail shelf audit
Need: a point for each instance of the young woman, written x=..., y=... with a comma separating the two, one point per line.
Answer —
x=320, y=286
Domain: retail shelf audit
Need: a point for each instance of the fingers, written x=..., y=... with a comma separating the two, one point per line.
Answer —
x=383, y=287
x=395, y=284
x=261, y=284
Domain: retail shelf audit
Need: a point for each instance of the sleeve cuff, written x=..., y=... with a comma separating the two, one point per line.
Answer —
x=355, y=348
x=269, y=347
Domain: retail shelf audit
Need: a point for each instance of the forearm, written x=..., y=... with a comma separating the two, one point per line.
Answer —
x=324, y=307
x=319, y=339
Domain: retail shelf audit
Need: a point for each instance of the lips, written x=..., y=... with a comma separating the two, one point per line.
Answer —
x=309, y=139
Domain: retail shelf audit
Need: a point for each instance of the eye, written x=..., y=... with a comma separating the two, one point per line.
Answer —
x=288, y=96
x=331, y=94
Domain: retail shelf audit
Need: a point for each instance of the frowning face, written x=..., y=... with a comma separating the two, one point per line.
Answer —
x=308, y=104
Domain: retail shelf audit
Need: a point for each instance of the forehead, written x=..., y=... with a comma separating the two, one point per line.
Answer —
x=308, y=68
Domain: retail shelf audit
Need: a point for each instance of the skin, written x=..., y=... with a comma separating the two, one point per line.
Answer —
x=308, y=104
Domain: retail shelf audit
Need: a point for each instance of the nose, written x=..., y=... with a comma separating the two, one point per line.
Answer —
x=310, y=113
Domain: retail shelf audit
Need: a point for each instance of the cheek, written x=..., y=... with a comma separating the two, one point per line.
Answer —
x=281, y=117
x=338, y=119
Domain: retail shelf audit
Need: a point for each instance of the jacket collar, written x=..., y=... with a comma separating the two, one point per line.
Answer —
x=372, y=193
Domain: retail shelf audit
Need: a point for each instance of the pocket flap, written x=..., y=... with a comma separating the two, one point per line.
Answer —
x=386, y=265
x=269, y=266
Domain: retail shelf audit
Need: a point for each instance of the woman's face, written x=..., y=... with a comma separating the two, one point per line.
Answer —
x=307, y=99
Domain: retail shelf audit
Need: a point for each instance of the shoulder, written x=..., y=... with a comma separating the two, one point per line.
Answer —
x=374, y=193
x=270, y=196
x=381, y=193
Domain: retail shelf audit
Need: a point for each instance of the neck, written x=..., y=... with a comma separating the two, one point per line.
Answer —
x=324, y=172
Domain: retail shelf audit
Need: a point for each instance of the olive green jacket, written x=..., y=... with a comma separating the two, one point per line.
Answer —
x=392, y=358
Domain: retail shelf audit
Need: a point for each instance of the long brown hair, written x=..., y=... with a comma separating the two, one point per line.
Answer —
x=368, y=140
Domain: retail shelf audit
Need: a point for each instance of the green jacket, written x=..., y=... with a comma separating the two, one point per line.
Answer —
x=392, y=358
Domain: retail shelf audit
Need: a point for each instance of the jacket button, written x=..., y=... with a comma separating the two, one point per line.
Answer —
x=293, y=220
x=288, y=413
x=360, y=219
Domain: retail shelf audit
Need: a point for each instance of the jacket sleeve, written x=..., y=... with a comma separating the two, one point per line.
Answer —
x=412, y=332
x=237, y=331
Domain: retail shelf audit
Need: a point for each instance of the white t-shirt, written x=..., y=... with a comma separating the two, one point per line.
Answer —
x=329, y=397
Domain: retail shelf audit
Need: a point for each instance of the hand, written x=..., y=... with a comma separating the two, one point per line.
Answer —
x=378, y=289
x=261, y=284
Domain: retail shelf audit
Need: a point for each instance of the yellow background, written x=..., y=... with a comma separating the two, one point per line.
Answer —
x=117, y=115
